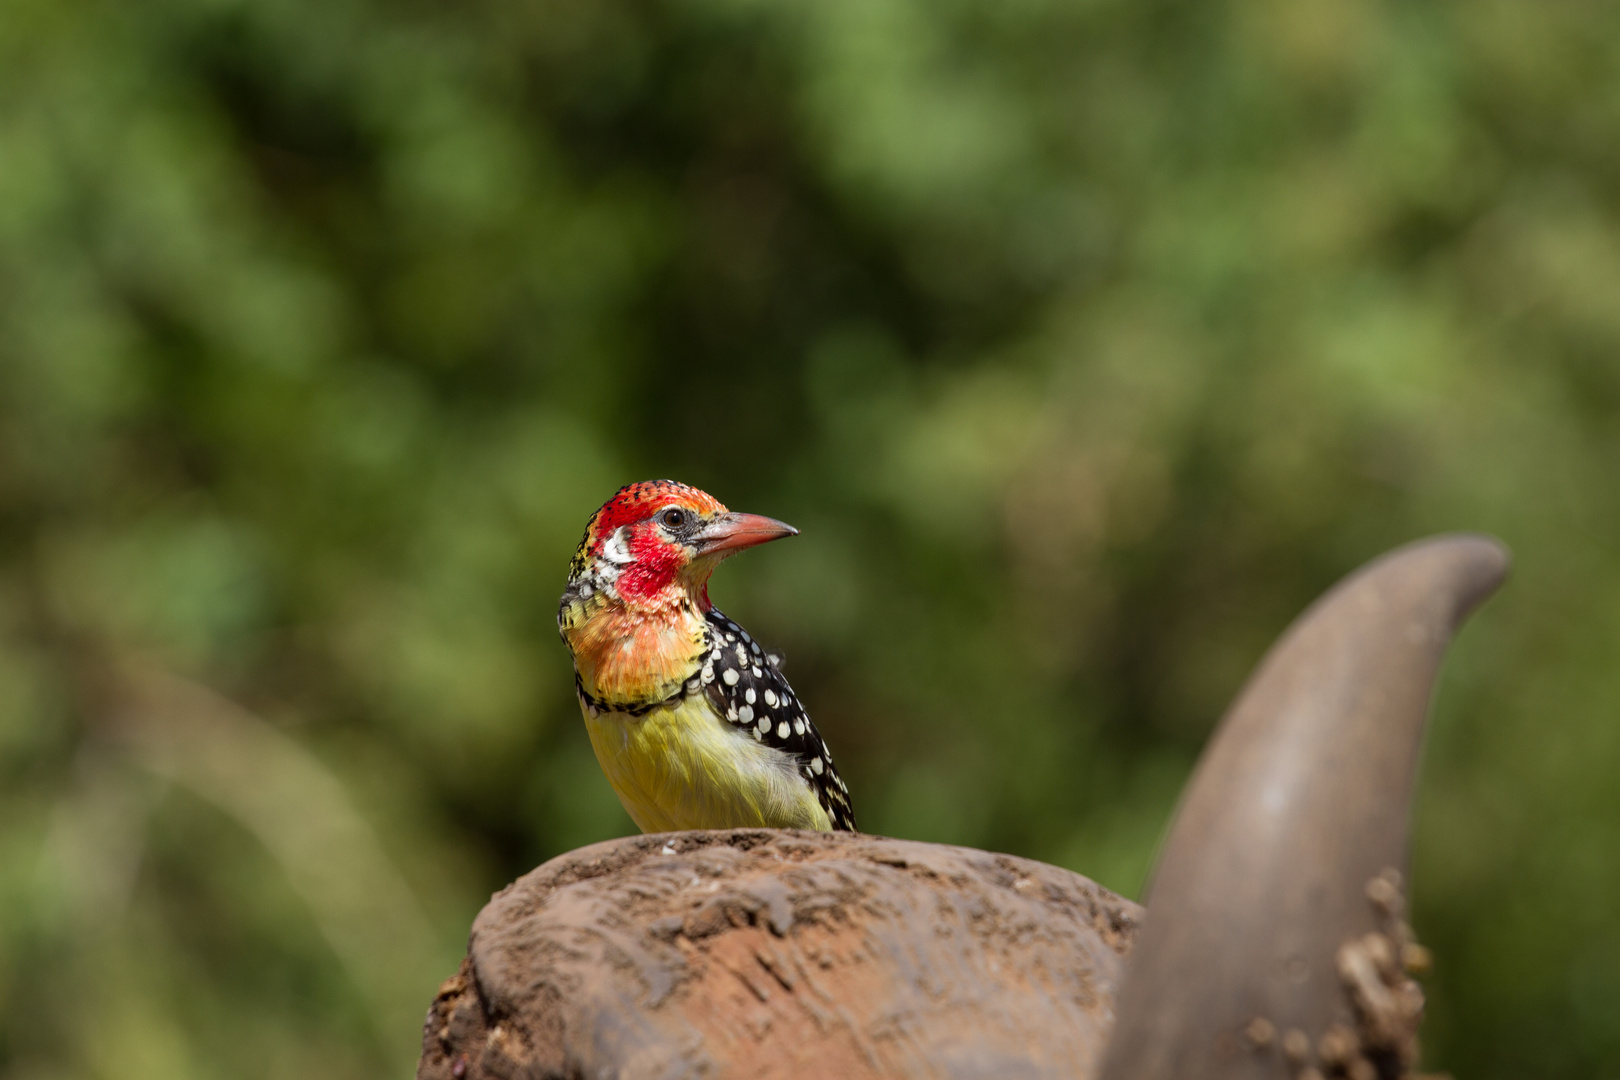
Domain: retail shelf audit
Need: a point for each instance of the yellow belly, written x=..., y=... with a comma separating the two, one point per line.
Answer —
x=683, y=767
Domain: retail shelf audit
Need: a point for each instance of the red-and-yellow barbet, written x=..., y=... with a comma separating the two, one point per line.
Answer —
x=691, y=718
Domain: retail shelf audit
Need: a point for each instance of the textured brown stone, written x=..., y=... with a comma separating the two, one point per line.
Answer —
x=764, y=953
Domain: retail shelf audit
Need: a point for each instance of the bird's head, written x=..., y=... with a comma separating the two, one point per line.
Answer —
x=638, y=587
x=656, y=543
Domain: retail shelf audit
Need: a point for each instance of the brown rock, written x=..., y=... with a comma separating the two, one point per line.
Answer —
x=765, y=953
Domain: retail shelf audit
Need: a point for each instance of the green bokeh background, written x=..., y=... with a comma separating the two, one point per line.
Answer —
x=1086, y=341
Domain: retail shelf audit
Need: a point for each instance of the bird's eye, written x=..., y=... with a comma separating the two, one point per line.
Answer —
x=673, y=518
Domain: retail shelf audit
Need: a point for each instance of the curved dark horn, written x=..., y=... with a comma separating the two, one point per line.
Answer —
x=1300, y=799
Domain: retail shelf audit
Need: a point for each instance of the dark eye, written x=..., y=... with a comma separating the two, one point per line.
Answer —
x=673, y=518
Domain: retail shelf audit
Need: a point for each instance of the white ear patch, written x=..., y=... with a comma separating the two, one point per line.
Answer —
x=615, y=551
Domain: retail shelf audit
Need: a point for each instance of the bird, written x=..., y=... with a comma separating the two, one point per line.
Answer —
x=691, y=718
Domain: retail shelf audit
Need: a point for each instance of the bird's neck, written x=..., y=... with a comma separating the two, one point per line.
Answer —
x=637, y=653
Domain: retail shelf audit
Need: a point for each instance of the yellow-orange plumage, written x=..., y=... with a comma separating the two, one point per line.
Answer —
x=628, y=656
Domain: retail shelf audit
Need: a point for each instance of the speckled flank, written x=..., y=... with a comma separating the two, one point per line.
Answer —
x=747, y=687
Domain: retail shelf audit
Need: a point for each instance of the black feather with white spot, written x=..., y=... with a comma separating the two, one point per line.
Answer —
x=745, y=683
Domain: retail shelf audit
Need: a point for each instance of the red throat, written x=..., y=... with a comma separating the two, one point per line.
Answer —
x=656, y=574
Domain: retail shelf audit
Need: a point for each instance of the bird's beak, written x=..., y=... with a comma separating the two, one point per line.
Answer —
x=732, y=532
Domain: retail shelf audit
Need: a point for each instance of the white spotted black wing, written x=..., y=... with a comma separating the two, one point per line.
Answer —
x=747, y=687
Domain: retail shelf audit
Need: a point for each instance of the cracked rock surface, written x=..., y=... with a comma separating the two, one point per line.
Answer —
x=776, y=954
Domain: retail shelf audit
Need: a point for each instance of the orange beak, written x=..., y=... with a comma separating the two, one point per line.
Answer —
x=732, y=532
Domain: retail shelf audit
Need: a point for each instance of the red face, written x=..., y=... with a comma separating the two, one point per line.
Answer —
x=658, y=533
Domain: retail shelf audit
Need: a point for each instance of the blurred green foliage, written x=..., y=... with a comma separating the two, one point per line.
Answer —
x=1085, y=341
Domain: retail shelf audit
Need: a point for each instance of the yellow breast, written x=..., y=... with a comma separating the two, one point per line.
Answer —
x=681, y=766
